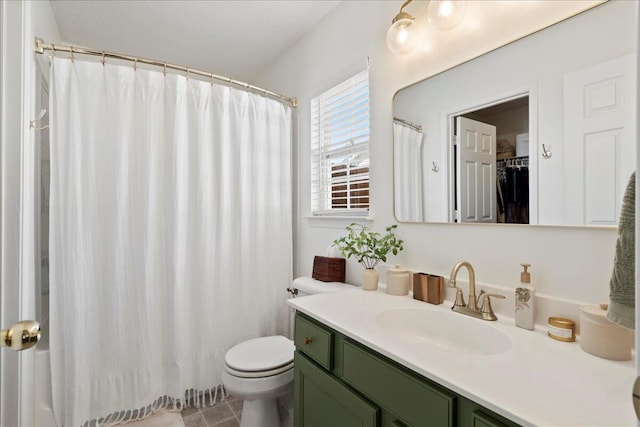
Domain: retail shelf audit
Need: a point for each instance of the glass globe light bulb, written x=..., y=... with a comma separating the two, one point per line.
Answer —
x=445, y=15
x=403, y=36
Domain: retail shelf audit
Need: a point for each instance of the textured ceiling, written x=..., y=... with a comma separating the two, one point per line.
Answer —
x=237, y=39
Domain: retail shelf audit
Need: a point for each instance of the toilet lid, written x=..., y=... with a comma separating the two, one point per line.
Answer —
x=260, y=354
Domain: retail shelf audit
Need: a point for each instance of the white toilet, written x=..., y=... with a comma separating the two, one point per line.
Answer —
x=260, y=370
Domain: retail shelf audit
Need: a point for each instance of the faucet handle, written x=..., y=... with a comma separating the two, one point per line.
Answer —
x=486, y=304
x=459, y=302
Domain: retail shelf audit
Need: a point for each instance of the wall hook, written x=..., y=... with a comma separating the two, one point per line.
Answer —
x=33, y=124
x=435, y=167
x=546, y=153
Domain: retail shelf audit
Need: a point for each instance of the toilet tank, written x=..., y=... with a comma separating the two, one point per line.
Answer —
x=305, y=286
x=308, y=286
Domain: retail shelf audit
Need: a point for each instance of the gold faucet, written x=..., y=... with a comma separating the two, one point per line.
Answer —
x=471, y=309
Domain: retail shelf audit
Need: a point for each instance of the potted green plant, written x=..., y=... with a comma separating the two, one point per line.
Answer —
x=368, y=248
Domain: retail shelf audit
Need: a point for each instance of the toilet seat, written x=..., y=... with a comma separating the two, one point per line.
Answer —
x=260, y=357
x=258, y=374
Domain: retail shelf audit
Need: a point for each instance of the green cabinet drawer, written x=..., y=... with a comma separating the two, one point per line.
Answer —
x=314, y=340
x=480, y=419
x=415, y=401
x=471, y=414
x=323, y=401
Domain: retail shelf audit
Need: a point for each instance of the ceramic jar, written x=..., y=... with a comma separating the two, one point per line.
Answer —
x=603, y=338
x=398, y=280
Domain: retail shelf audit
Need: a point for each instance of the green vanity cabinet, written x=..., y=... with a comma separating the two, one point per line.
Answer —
x=340, y=382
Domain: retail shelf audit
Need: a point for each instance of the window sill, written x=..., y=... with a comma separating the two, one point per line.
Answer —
x=335, y=221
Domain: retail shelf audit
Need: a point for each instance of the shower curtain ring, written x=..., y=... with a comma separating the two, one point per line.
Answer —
x=72, y=58
x=187, y=74
x=135, y=64
x=103, y=60
x=164, y=71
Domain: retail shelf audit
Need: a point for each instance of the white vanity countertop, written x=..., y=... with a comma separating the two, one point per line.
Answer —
x=538, y=381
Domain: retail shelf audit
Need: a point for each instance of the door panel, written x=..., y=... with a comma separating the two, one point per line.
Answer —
x=476, y=171
x=599, y=139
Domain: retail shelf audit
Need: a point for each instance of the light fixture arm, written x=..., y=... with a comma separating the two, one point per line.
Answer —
x=402, y=14
x=405, y=4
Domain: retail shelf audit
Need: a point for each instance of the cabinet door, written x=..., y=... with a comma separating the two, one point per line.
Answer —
x=322, y=401
x=416, y=401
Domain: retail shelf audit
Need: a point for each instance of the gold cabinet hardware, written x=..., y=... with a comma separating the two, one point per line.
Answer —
x=307, y=340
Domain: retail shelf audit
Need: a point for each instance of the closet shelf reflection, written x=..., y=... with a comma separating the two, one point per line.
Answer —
x=513, y=162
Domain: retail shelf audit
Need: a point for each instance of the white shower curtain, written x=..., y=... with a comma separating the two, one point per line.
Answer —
x=171, y=235
x=408, y=173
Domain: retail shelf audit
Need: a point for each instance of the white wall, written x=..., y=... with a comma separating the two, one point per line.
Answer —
x=568, y=263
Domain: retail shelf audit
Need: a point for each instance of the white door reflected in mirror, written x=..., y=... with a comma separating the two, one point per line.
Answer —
x=475, y=171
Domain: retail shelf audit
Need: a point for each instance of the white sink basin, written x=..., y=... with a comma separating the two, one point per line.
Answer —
x=450, y=332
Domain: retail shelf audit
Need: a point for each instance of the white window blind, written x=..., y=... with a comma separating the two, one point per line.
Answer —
x=340, y=148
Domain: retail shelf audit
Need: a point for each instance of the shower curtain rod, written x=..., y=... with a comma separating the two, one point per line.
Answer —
x=41, y=46
x=408, y=123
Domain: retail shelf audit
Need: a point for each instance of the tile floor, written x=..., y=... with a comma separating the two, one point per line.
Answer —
x=164, y=418
x=223, y=414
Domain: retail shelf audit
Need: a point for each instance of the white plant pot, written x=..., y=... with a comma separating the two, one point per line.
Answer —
x=369, y=279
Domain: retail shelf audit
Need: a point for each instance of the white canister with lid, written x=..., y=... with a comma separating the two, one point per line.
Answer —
x=601, y=337
x=398, y=280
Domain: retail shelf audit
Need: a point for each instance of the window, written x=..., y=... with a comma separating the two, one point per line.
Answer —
x=340, y=148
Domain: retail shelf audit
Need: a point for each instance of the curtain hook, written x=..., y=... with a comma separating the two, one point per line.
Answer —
x=187, y=74
x=135, y=64
x=72, y=58
x=103, y=60
x=53, y=49
x=211, y=79
x=164, y=71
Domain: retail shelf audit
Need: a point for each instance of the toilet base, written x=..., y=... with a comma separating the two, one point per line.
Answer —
x=261, y=412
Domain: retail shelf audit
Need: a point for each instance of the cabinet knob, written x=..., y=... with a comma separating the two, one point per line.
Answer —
x=307, y=340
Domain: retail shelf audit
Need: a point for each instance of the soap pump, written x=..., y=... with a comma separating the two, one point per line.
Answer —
x=525, y=299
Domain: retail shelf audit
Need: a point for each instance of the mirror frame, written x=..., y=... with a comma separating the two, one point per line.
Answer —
x=532, y=92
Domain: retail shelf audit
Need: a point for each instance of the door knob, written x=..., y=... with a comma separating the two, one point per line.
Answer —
x=21, y=335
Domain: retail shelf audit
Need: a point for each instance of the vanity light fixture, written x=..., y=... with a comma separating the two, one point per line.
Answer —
x=445, y=15
x=403, y=35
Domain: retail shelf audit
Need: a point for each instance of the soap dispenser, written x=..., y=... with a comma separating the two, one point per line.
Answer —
x=525, y=299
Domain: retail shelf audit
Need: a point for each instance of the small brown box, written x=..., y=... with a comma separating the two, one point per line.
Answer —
x=428, y=288
x=328, y=269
